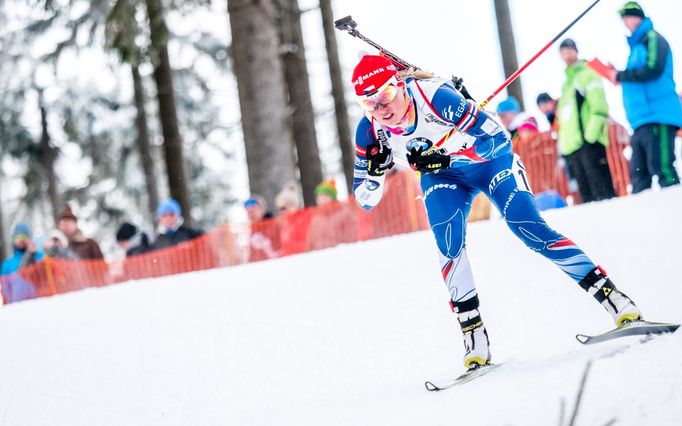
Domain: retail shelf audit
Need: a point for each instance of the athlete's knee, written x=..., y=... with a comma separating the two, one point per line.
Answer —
x=450, y=235
x=535, y=233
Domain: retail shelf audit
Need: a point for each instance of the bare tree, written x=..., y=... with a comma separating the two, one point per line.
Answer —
x=172, y=141
x=505, y=32
x=262, y=95
x=143, y=144
x=48, y=156
x=122, y=32
x=3, y=243
x=301, y=105
x=340, y=107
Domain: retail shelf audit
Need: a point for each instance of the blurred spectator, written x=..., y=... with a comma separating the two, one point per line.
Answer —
x=57, y=246
x=257, y=208
x=547, y=105
x=679, y=131
x=264, y=238
x=333, y=222
x=84, y=248
x=293, y=220
x=519, y=124
x=651, y=104
x=583, y=116
x=288, y=199
x=550, y=199
x=171, y=226
x=15, y=287
x=325, y=193
x=131, y=239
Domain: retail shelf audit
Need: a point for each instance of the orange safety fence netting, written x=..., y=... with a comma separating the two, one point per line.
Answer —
x=401, y=211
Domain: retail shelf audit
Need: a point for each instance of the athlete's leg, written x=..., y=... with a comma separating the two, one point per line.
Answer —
x=509, y=191
x=448, y=204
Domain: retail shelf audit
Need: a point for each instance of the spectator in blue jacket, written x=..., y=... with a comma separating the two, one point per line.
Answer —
x=651, y=103
x=14, y=287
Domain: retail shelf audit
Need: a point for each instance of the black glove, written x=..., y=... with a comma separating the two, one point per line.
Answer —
x=431, y=161
x=379, y=159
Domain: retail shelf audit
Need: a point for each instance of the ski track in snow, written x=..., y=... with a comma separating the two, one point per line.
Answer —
x=347, y=336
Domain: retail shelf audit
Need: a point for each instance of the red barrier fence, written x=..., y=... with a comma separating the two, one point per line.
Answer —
x=546, y=172
x=400, y=211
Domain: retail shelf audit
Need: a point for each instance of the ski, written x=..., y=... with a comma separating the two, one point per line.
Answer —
x=464, y=378
x=634, y=328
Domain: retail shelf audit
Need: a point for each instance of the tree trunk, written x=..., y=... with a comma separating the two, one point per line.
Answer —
x=301, y=106
x=340, y=107
x=3, y=241
x=262, y=95
x=505, y=32
x=172, y=142
x=48, y=156
x=143, y=144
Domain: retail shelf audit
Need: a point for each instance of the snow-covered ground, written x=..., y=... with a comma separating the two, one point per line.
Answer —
x=348, y=336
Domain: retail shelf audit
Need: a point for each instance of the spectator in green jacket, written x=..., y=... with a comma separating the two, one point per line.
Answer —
x=583, y=127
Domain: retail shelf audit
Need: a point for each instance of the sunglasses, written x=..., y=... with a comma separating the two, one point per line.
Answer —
x=384, y=96
x=21, y=237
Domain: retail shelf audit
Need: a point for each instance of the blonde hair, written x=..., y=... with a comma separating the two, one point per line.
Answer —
x=415, y=73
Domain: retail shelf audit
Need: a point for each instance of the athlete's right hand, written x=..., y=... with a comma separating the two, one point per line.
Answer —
x=379, y=159
x=429, y=161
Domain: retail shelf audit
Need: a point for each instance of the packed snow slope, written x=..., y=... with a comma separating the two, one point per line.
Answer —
x=348, y=336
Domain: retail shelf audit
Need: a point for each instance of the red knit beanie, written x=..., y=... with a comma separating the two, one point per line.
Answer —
x=371, y=73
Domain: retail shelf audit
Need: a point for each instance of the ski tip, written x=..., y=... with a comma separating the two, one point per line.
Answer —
x=431, y=387
x=582, y=338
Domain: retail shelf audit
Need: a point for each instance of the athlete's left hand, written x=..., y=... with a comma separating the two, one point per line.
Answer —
x=428, y=162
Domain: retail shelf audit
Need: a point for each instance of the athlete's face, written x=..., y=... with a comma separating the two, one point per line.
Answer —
x=391, y=113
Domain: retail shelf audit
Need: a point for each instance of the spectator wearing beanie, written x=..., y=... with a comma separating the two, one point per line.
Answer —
x=57, y=246
x=325, y=193
x=257, y=208
x=651, y=104
x=84, y=248
x=172, y=230
x=583, y=116
x=293, y=220
x=547, y=105
x=288, y=199
x=131, y=239
x=264, y=237
x=24, y=250
x=519, y=124
x=14, y=287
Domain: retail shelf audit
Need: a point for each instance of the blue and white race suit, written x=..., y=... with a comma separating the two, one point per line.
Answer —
x=482, y=161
